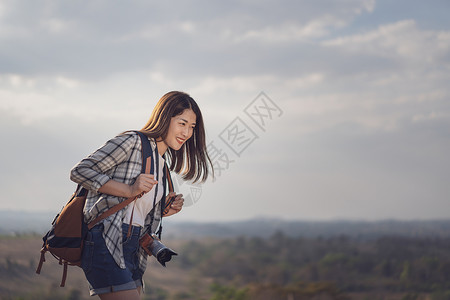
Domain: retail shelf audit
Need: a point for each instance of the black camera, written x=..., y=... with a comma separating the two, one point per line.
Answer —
x=153, y=246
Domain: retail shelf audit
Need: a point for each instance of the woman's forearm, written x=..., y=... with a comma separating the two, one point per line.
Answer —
x=143, y=184
x=116, y=188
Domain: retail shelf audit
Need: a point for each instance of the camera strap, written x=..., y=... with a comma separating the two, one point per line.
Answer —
x=156, y=187
x=166, y=178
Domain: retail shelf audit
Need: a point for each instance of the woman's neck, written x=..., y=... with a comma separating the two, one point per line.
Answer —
x=162, y=147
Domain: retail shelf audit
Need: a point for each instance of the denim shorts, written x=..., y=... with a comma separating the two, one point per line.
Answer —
x=100, y=268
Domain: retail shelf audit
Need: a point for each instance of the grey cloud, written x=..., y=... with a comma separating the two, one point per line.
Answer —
x=103, y=37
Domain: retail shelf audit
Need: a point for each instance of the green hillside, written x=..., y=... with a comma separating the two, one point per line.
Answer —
x=274, y=267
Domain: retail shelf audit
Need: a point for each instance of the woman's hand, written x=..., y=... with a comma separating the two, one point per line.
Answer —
x=143, y=184
x=177, y=204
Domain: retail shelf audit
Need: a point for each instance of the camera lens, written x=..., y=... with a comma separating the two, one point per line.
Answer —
x=161, y=252
x=164, y=256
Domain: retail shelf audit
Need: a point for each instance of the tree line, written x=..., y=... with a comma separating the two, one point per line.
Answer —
x=292, y=268
x=393, y=264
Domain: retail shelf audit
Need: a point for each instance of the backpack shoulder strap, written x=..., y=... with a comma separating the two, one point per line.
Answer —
x=147, y=167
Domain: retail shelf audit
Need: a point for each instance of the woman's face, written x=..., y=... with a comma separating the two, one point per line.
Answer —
x=181, y=129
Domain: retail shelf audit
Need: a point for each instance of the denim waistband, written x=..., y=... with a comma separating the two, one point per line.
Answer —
x=135, y=230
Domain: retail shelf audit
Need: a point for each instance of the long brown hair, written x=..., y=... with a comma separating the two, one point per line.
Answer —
x=192, y=160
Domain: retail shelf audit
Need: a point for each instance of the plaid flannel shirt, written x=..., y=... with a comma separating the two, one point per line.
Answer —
x=119, y=159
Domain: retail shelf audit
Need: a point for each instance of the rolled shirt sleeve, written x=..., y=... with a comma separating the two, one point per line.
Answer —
x=94, y=171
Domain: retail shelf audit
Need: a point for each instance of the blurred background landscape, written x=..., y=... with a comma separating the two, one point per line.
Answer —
x=259, y=259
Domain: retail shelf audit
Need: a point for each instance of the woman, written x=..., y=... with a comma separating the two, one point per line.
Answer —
x=112, y=260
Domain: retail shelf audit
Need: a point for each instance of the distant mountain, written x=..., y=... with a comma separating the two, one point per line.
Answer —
x=311, y=229
x=19, y=222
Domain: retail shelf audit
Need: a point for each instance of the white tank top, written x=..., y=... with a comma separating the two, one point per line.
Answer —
x=144, y=205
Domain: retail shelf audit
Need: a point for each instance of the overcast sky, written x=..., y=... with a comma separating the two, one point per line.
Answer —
x=354, y=96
